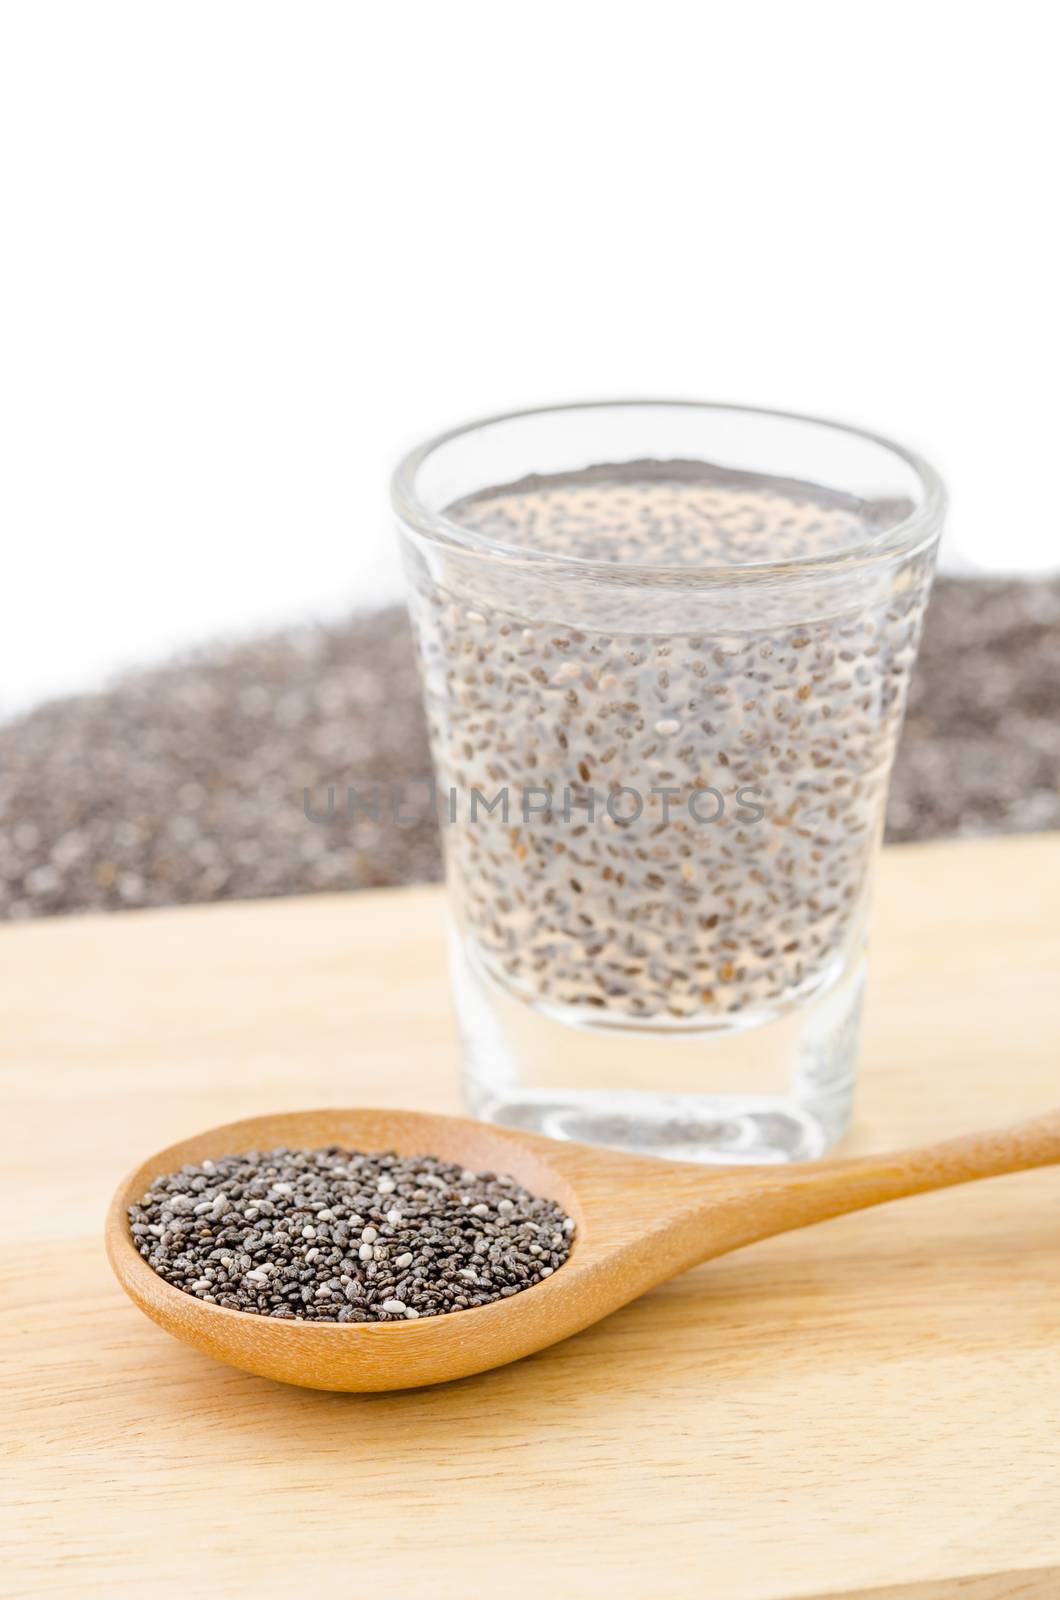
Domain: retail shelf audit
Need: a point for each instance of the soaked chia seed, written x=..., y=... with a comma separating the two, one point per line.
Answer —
x=334, y=1235
x=676, y=913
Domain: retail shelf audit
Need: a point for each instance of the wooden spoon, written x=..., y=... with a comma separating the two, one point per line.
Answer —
x=639, y=1222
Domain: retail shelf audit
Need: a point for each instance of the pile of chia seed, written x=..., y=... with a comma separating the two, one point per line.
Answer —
x=334, y=1235
x=184, y=783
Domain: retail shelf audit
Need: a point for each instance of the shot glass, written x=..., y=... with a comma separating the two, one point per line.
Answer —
x=665, y=650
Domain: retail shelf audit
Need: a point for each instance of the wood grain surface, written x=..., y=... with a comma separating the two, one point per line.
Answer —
x=870, y=1408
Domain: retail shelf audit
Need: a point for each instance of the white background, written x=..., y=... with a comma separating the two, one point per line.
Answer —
x=254, y=251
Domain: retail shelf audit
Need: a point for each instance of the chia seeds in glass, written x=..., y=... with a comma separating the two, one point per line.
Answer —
x=676, y=687
x=334, y=1235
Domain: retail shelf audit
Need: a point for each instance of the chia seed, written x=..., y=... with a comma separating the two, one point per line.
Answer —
x=667, y=912
x=215, y=813
x=462, y=1239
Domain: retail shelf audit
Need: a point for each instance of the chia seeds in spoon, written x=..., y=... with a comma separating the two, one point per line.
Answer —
x=334, y=1235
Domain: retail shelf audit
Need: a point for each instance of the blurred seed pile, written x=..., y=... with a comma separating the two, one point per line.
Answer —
x=186, y=783
x=980, y=752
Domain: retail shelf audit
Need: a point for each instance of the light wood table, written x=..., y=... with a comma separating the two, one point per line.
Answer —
x=871, y=1408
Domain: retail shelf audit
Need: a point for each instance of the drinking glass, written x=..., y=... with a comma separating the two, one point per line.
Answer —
x=665, y=650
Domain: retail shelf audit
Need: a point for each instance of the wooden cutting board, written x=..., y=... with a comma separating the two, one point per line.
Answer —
x=871, y=1408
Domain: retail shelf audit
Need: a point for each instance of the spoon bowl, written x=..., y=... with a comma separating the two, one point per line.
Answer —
x=639, y=1221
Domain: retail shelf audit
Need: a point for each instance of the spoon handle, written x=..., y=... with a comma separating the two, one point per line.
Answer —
x=798, y=1196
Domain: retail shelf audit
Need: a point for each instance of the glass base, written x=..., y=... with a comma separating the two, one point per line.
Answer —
x=772, y=1088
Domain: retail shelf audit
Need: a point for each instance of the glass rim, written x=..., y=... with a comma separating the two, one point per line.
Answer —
x=908, y=536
